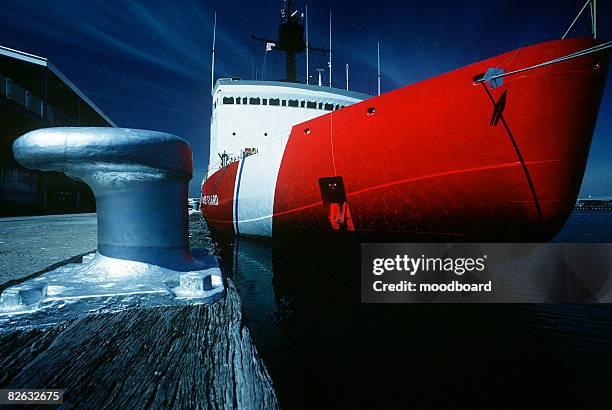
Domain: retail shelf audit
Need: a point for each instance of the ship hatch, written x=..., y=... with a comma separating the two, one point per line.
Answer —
x=336, y=206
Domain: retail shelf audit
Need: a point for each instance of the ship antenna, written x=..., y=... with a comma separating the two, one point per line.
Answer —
x=378, y=63
x=594, y=17
x=212, y=66
x=347, y=83
x=330, y=48
x=307, y=78
x=320, y=72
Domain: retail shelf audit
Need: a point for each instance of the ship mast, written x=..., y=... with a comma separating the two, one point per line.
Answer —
x=307, y=73
x=593, y=4
x=290, y=39
x=212, y=65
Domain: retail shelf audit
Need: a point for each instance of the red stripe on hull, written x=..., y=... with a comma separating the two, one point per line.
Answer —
x=219, y=188
x=429, y=164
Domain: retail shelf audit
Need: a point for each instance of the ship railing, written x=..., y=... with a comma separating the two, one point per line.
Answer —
x=272, y=142
x=262, y=145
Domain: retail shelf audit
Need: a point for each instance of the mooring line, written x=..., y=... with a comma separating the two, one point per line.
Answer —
x=570, y=56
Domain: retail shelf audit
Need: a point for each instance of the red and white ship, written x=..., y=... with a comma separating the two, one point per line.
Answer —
x=480, y=153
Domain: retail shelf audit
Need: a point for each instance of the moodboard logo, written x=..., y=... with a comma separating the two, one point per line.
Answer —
x=486, y=273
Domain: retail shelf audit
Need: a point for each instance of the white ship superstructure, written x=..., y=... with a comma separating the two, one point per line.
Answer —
x=255, y=116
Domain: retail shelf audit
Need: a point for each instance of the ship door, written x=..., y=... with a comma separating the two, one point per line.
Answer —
x=336, y=206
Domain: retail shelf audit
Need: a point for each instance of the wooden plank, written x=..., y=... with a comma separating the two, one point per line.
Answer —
x=187, y=357
x=198, y=356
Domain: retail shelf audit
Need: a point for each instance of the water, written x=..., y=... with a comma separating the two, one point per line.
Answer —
x=587, y=226
x=326, y=349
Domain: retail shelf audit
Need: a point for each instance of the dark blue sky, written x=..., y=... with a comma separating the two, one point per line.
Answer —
x=146, y=64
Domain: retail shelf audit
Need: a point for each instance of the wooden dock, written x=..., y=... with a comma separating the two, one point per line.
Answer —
x=195, y=356
x=182, y=357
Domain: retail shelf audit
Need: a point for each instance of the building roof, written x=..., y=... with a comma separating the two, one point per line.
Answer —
x=43, y=62
x=299, y=86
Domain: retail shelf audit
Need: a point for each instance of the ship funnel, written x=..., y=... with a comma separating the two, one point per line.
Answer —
x=139, y=179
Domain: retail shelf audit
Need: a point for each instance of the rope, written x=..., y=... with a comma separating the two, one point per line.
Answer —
x=577, y=54
x=577, y=17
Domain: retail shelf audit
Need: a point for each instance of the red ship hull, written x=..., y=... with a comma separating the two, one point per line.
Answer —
x=444, y=159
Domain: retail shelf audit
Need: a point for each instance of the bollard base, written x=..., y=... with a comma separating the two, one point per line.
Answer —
x=101, y=284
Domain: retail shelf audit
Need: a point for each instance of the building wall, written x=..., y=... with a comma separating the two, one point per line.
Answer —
x=31, y=97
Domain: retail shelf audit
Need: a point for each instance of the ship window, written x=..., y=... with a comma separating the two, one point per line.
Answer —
x=244, y=100
x=329, y=107
x=311, y=104
x=320, y=106
x=264, y=101
x=228, y=100
x=265, y=134
x=302, y=103
x=237, y=100
x=284, y=103
x=254, y=100
x=293, y=103
x=233, y=133
x=337, y=106
x=274, y=101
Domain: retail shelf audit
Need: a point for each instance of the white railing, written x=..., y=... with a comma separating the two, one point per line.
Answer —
x=262, y=145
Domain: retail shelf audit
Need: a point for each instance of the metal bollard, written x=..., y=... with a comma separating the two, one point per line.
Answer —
x=139, y=179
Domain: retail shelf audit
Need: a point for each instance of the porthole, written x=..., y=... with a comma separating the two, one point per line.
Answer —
x=371, y=110
x=307, y=131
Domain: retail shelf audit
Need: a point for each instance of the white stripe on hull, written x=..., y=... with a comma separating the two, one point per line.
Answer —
x=254, y=192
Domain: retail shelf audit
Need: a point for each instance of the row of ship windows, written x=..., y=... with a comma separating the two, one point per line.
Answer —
x=279, y=102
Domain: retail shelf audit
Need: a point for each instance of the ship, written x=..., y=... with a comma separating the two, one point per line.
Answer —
x=494, y=151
